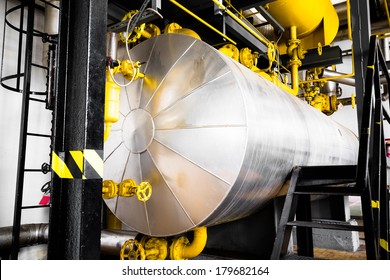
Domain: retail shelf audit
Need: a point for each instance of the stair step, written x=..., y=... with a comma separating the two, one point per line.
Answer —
x=326, y=225
x=325, y=174
x=346, y=190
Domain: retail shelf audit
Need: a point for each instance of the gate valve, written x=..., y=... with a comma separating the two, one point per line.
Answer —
x=129, y=188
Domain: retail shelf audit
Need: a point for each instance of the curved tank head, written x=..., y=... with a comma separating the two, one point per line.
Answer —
x=315, y=21
x=215, y=140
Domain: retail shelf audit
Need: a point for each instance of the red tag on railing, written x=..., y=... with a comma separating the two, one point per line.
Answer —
x=45, y=200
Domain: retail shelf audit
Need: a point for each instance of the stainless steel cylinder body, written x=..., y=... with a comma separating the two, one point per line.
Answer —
x=215, y=140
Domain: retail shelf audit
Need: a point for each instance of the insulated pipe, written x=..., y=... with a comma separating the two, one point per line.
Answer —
x=30, y=234
x=350, y=81
x=112, y=240
x=112, y=45
x=196, y=247
x=33, y=234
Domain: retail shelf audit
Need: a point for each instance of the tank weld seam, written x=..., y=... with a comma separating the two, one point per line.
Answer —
x=170, y=189
x=113, y=151
x=204, y=126
x=190, y=92
x=196, y=164
x=166, y=74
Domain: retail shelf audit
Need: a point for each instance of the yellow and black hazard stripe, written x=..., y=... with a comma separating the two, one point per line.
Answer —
x=85, y=164
x=384, y=245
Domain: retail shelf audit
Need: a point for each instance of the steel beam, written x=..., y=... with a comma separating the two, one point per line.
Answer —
x=75, y=216
x=361, y=32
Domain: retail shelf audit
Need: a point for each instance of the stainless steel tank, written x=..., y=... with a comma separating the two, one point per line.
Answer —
x=215, y=140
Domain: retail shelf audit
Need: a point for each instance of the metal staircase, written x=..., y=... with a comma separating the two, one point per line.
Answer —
x=367, y=179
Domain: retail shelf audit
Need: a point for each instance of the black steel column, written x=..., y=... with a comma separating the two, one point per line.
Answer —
x=75, y=217
x=361, y=32
x=304, y=234
x=23, y=126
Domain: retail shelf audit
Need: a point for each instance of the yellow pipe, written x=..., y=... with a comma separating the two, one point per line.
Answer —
x=349, y=19
x=239, y=21
x=197, y=245
x=202, y=21
x=181, y=249
x=328, y=79
x=294, y=60
x=111, y=104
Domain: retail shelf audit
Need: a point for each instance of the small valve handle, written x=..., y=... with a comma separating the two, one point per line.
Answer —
x=144, y=191
x=132, y=250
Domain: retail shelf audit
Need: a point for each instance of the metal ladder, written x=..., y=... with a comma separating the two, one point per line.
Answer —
x=367, y=179
x=25, y=88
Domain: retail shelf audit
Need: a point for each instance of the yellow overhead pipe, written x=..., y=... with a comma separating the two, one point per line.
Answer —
x=181, y=249
x=202, y=21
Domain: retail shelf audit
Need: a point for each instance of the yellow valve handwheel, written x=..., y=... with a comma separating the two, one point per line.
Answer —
x=132, y=250
x=144, y=191
x=123, y=36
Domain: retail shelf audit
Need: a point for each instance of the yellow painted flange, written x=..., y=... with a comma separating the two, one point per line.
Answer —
x=156, y=249
x=110, y=189
x=176, y=249
x=231, y=51
x=246, y=58
x=127, y=188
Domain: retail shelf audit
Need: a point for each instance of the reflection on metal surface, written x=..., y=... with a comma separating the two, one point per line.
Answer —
x=215, y=140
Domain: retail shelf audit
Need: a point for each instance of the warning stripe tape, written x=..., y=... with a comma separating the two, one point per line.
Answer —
x=85, y=164
x=384, y=244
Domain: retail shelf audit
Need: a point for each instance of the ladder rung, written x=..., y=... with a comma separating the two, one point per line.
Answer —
x=35, y=206
x=32, y=170
x=37, y=100
x=326, y=225
x=39, y=66
x=38, y=135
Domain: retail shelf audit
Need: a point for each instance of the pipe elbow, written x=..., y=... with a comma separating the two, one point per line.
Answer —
x=182, y=249
x=197, y=245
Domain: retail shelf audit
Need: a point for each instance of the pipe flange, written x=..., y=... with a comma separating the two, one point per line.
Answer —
x=176, y=249
x=156, y=249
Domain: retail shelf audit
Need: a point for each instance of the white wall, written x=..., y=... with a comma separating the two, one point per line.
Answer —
x=347, y=116
x=40, y=122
